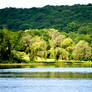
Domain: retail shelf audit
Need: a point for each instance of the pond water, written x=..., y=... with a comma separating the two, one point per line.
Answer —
x=46, y=78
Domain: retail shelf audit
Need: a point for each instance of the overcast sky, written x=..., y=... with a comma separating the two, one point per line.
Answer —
x=39, y=3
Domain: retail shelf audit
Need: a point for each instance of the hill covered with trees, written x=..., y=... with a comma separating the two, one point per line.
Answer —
x=57, y=17
x=50, y=32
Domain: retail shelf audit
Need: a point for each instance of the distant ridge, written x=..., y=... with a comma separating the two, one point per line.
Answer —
x=46, y=17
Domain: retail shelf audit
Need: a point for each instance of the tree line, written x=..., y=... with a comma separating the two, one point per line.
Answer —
x=57, y=17
x=32, y=44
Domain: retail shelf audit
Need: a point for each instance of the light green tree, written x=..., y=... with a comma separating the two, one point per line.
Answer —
x=52, y=53
x=67, y=44
x=25, y=42
x=38, y=48
x=82, y=51
x=58, y=53
x=61, y=53
x=56, y=38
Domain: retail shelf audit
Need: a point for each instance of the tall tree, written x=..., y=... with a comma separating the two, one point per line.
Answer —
x=5, y=44
x=82, y=51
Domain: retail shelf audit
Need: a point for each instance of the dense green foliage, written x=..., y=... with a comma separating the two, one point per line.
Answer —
x=51, y=32
x=62, y=18
x=82, y=51
x=33, y=44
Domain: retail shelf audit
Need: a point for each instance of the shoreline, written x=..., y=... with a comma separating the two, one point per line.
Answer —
x=49, y=62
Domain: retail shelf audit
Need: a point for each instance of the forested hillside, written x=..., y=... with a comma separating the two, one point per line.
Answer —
x=57, y=17
x=51, y=32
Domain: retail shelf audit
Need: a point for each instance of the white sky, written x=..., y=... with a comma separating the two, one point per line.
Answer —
x=39, y=3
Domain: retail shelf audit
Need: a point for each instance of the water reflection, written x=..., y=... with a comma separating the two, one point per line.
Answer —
x=46, y=78
x=46, y=75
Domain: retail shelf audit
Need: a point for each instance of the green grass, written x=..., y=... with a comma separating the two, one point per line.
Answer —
x=45, y=61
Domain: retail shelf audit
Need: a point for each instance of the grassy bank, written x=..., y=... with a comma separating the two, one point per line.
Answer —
x=49, y=61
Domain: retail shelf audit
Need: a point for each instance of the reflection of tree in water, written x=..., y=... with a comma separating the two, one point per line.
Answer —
x=69, y=75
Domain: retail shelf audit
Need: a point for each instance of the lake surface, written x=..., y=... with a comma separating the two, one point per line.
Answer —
x=46, y=78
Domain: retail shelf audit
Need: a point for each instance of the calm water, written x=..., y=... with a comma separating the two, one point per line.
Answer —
x=46, y=78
